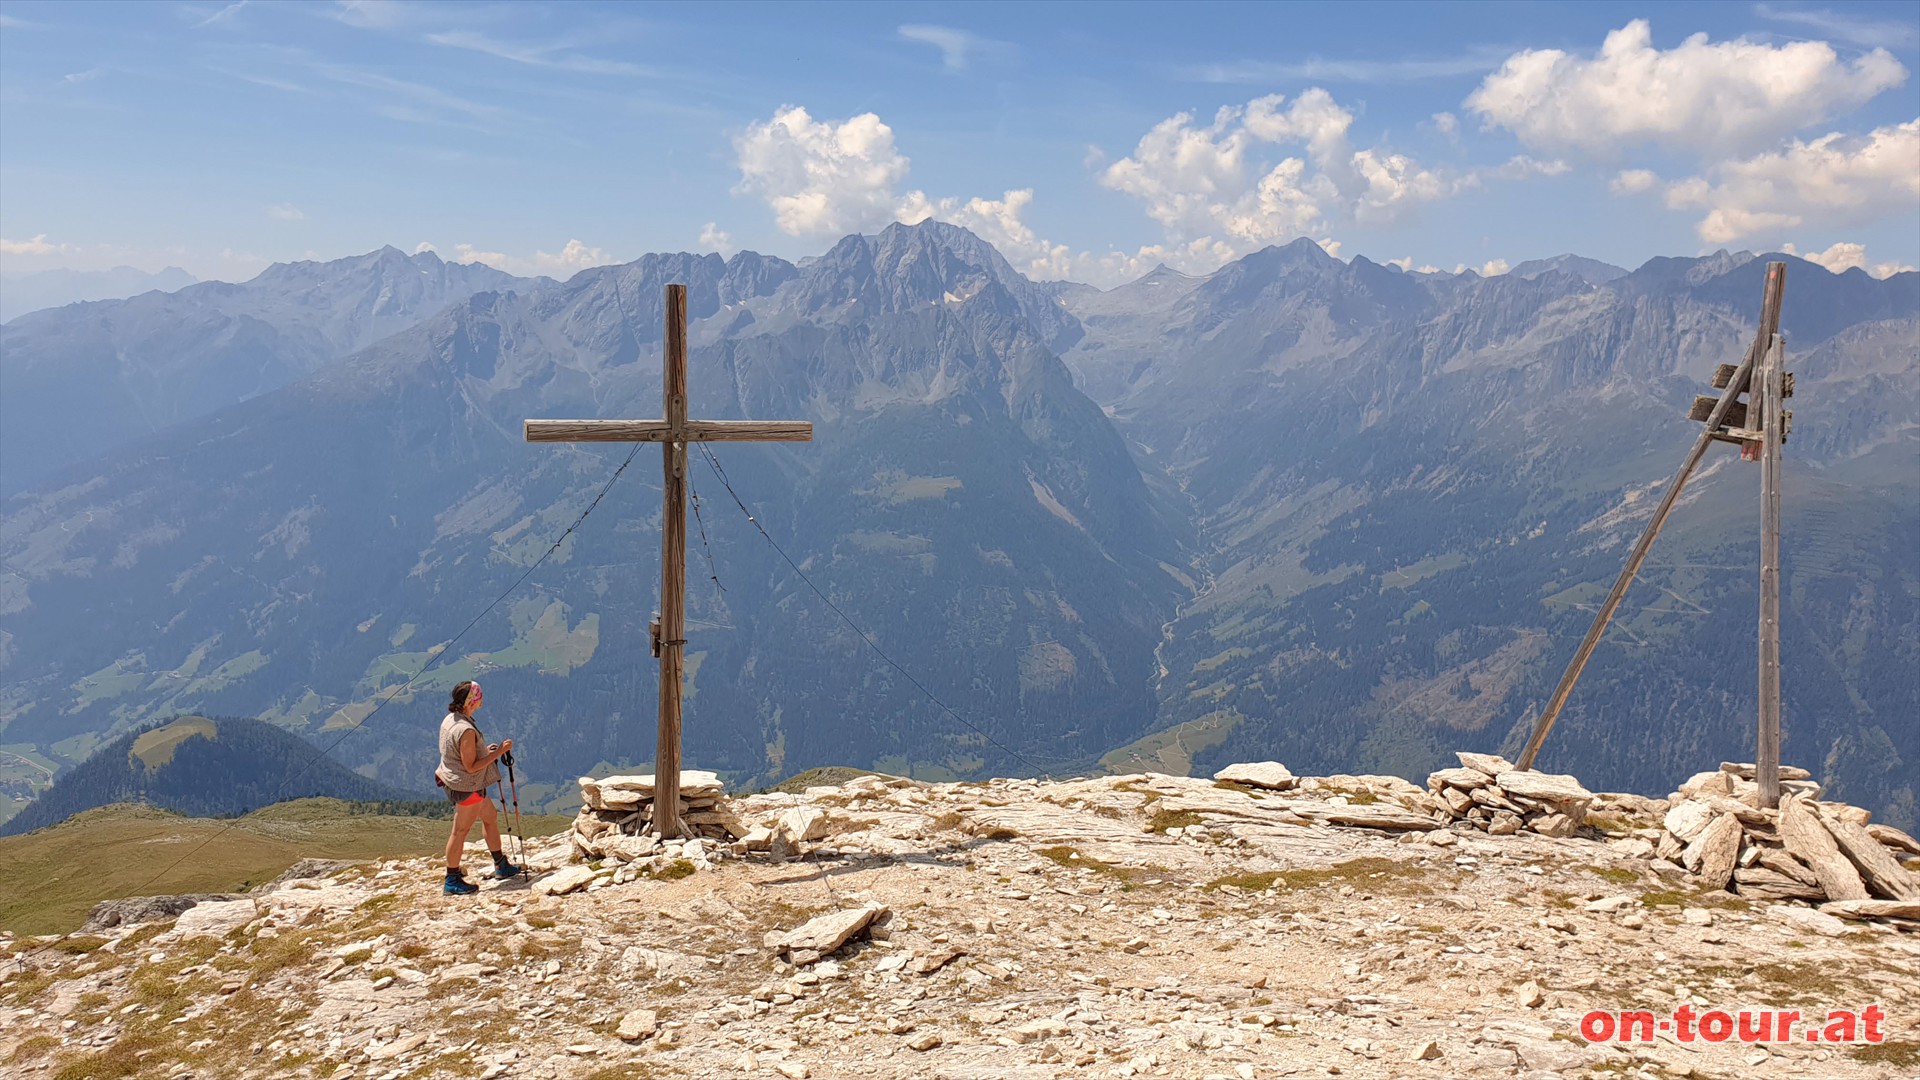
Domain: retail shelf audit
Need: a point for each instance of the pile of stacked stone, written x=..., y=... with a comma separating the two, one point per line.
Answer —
x=1806, y=849
x=1487, y=792
x=616, y=816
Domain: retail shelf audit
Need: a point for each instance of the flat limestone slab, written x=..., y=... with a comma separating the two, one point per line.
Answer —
x=215, y=917
x=1458, y=778
x=693, y=782
x=819, y=936
x=1873, y=909
x=565, y=880
x=1270, y=775
x=1556, y=788
x=1882, y=873
x=1808, y=840
x=1491, y=764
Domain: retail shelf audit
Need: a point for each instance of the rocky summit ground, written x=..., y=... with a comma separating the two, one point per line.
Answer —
x=1118, y=926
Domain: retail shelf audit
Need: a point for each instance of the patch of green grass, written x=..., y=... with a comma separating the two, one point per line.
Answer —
x=1164, y=819
x=24, y=988
x=1619, y=875
x=1666, y=898
x=1128, y=876
x=121, y=1058
x=824, y=776
x=135, y=848
x=78, y=944
x=1372, y=873
x=675, y=870
x=155, y=748
x=542, y=922
x=32, y=1047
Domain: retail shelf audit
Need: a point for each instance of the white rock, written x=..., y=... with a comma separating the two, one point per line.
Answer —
x=817, y=937
x=1491, y=764
x=1557, y=789
x=1808, y=920
x=637, y=1025
x=565, y=880
x=797, y=824
x=1458, y=778
x=1261, y=774
x=1873, y=909
x=215, y=917
x=1689, y=818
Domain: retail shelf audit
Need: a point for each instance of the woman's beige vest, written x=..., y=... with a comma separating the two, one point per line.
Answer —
x=452, y=772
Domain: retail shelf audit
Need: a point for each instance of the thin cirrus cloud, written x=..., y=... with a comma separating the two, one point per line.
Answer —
x=410, y=101
x=558, y=57
x=1322, y=69
x=958, y=48
x=1900, y=34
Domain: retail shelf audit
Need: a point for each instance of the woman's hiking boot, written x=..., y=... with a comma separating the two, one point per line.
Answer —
x=502, y=869
x=458, y=885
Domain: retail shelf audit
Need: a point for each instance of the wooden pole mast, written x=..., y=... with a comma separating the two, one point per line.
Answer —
x=1767, y=753
x=673, y=432
x=673, y=567
x=1769, y=326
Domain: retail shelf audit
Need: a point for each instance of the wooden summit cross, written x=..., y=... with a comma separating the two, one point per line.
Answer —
x=673, y=433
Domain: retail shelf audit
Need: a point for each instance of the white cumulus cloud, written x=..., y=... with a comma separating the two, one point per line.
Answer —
x=467, y=253
x=1833, y=181
x=1845, y=255
x=1207, y=182
x=38, y=245
x=821, y=178
x=575, y=256
x=285, y=212
x=1634, y=181
x=1714, y=98
x=714, y=238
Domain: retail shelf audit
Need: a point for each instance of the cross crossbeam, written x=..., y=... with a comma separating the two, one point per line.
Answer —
x=674, y=431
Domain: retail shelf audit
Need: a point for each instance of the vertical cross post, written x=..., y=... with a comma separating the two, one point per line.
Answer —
x=1767, y=752
x=673, y=566
x=673, y=432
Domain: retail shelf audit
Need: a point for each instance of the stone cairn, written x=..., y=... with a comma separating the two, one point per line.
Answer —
x=1807, y=849
x=1487, y=792
x=613, y=841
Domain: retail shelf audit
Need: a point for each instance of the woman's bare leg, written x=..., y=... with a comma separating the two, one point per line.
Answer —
x=490, y=824
x=462, y=825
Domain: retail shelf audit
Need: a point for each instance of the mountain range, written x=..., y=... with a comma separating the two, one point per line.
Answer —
x=34, y=290
x=1327, y=512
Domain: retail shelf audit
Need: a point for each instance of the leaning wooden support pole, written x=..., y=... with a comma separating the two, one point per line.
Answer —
x=1767, y=753
x=1769, y=326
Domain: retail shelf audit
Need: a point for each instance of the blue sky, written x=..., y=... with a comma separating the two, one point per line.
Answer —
x=1086, y=141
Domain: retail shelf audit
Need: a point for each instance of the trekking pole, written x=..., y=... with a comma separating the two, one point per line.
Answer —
x=519, y=840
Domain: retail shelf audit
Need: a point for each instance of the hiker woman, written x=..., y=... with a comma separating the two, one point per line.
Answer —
x=466, y=770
